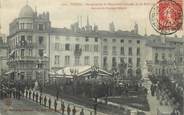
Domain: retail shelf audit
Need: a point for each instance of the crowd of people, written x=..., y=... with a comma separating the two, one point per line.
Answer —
x=164, y=95
x=47, y=102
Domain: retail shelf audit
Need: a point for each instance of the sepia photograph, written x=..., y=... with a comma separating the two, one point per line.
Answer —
x=91, y=57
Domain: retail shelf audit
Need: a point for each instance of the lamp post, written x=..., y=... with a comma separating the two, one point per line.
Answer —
x=74, y=73
x=94, y=74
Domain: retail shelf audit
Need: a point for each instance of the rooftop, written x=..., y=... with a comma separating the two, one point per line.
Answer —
x=26, y=12
x=100, y=33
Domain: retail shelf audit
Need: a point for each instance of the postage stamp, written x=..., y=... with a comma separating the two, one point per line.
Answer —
x=166, y=16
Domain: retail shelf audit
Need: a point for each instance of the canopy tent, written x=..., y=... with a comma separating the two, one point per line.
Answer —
x=99, y=73
x=78, y=71
x=68, y=72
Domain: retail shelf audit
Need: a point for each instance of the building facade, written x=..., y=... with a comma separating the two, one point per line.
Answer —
x=35, y=48
x=3, y=54
x=28, y=45
x=90, y=46
x=164, y=56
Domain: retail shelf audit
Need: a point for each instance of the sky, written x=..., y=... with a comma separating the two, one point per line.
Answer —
x=124, y=13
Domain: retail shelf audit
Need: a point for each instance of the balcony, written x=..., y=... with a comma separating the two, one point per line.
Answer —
x=25, y=45
x=29, y=58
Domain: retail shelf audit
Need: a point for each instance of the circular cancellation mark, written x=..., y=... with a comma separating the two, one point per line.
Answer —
x=166, y=17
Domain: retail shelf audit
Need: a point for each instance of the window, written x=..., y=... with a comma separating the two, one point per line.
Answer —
x=130, y=51
x=138, y=51
x=114, y=50
x=105, y=50
x=122, y=60
x=105, y=63
x=30, y=52
x=22, y=52
x=114, y=63
x=40, y=52
x=23, y=40
x=129, y=41
x=122, y=51
x=29, y=38
x=138, y=62
x=56, y=46
x=105, y=40
x=67, y=60
x=113, y=40
x=138, y=41
x=77, y=39
x=156, y=57
x=77, y=46
x=96, y=60
x=40, y=39
x=163, y=56
x=86, y=60
x=122, y=41
x=40, y=27
x=29, y=26
x=86, y=48
x=87, y=39
x=181, y=59
x=67, y=47
x=56, y=61
x=96, y=39
x=21, y=26
x=95, y=48
x=130, y=61
x=77, y=60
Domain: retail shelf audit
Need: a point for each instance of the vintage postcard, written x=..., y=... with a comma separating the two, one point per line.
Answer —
x=91, y=57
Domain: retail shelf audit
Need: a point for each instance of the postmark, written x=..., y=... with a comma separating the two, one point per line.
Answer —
x=166, y=17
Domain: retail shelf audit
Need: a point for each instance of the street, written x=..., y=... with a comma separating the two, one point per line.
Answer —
x=24, y=107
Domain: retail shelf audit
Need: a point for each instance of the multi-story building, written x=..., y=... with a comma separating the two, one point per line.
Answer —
x=28, y=45
x=88, y=46
x=164, y=56
x=33, y=42
x=69, y=48
x=3, y=54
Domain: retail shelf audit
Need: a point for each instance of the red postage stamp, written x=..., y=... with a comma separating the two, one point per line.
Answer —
x=166, y=16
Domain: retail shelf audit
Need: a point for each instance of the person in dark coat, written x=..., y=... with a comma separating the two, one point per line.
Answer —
x=10, y=93
x=19, y=94
x=57, y=95
x=62, y=107
x=49, y=103
x=37, y=97
x=82, y=112
x=45, y=101
x=40, y=99
x=68, y=110
x=55, y=104
x=29, y=94
x=33, y=95
x=14, y=94
x=152, y=90
x=74, y=111
x=26, y=93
